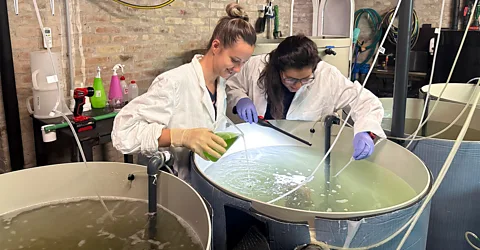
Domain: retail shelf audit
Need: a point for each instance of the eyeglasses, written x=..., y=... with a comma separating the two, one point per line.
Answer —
x=293, y=81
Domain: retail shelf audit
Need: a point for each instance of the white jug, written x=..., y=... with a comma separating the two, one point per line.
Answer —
x=44, y=100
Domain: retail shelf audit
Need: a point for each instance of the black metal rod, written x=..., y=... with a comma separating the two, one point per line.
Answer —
x=152, y=170
x=329, y=121
x=425, y=115
x=455, y=12
x=401, y=70
x=9, y=92
x=152, y=207
x=266, y=123
x=269, y=125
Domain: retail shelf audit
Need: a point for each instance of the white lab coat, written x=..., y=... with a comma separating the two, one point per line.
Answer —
x=329, y=92
x=177, y=98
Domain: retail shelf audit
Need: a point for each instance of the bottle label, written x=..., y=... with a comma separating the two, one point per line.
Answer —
x=125, y=91
x=98, y=93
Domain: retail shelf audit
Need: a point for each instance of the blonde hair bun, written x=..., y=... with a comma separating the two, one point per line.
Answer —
x=234, y=10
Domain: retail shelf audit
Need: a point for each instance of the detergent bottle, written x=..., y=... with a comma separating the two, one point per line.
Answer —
x=115, y=95
x=99, y=99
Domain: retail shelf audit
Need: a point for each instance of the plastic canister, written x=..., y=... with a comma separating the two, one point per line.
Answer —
x=44, y=99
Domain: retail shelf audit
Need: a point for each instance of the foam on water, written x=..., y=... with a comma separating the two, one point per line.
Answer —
x=80, y=223
x=275, y=170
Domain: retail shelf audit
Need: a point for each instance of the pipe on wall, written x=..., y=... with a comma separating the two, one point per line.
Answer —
x=455, y=13
x=9, y=93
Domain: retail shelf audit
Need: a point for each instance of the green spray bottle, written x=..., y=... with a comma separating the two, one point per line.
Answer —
x=99, y=99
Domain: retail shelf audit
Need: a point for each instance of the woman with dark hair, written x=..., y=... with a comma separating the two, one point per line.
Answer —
x=293, y=83
x=183, y=104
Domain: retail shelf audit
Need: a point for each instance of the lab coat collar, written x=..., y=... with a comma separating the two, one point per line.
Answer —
x=304, y=91
x=206, y=100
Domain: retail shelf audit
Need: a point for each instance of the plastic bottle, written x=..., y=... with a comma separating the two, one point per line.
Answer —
x=99, y=99
x=124, y=85
x=132, y=90
x=115, y=96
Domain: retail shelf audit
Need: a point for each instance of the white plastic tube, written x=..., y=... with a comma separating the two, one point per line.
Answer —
x=470, y=100
x=55, y=111
x=444, y=169
x=431, y=72
x=449, y=76
x=39, y=19
x=468, y=240
x=291, y=17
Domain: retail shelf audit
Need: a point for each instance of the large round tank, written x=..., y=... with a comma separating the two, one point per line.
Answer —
x=454, y=92
x=285, y=227
x=456, y=204
x=46, y=184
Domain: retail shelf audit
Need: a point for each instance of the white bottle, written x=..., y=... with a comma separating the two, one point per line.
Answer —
x=124, y=87
x=132, y=90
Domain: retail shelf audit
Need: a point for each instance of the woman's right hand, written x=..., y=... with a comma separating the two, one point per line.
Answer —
x=246, y=110
x=199, y=140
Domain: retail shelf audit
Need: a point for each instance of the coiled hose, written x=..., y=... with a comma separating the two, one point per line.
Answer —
x=393, y=31
x=376, y=26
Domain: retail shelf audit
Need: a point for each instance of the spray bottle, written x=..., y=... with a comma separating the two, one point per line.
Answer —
x=115, y=96
x=124, y=86
x=99, y=99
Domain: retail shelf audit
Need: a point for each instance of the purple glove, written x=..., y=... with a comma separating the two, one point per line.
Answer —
x=363, y=146
x=246, y=110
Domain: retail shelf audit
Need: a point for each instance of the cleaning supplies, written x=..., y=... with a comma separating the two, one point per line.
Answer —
x=99, y=99
x=124, y=86
x=115, y=96
x=132, y=90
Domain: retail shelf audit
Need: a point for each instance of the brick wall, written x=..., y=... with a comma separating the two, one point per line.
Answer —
x=428, y=12
x=302, y=17
x=147, y=42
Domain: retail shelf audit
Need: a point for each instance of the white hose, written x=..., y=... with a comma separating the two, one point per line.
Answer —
x=291, y=18
x=451, y=71
x=311, y=177
x=469, y=242
x=444, y=169
x=473, y=79
x=52, y=113
x=55, y=111
x=431, y=72
x=446, y=128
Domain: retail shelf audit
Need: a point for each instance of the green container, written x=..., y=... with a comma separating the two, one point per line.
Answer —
x=99, y=99
x=228, y=137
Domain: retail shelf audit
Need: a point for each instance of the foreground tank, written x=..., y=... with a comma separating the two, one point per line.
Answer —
x=456, y=204
x=285, y=227
x=53, y=183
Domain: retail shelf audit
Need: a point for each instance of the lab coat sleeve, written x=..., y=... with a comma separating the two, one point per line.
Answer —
x=139, y=124
x=367, y=114
x=237, y=86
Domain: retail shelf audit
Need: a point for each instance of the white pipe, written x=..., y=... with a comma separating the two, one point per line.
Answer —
x=315, y=7
x=39, y=19
x=291, y=18
x=69, y=47
x=55, y=111
x=444, y=169
x=451, y=72
x=431, y=73
x=80, y=42
x=469, y=242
